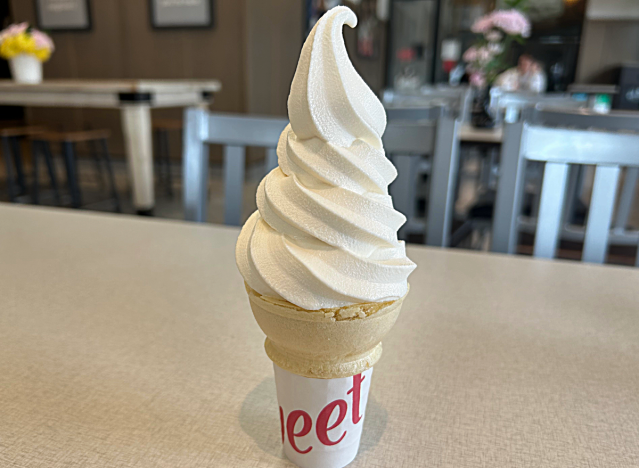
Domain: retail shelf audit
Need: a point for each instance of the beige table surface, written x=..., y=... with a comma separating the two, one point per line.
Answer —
x=129, y=342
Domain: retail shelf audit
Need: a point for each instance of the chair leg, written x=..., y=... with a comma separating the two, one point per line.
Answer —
x=35, y=196
x=72, y=175
x=48, y=158
x=109, y=167
x=6, y=150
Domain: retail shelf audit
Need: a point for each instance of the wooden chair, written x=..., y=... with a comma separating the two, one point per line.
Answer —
x=536, y=139
x=235, y=133
x=68, y=141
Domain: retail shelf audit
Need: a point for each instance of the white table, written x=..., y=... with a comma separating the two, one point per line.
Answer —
x=134, y=98
x=129, y=342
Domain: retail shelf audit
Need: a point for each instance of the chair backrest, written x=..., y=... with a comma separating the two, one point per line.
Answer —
x=606, y=148
x=235, y=133
x=513, y=103
x=407, y=105
x=405, y=142
x=501, y=100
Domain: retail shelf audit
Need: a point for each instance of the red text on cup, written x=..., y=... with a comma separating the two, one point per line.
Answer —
x=321, y=425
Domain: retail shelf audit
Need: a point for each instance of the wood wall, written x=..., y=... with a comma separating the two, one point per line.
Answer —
x=252, y=50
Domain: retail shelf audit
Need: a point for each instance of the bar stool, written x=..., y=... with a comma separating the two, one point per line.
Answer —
x=10, y=136
x=68, y=140
x=161, y=129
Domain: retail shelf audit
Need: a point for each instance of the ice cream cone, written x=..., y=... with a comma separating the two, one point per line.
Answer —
x=325, y=238
x=325, y=343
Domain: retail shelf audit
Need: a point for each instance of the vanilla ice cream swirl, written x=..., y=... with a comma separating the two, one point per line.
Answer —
x=325, y=233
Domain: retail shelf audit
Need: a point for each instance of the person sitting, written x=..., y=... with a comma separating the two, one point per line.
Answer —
x=528, y=76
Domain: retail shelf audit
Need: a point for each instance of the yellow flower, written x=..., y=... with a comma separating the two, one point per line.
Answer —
x=42, y=54
x=22, y=43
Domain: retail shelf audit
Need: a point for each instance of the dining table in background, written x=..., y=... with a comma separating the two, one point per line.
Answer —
x=129, y=342
x=134, y=98
x=470, y=134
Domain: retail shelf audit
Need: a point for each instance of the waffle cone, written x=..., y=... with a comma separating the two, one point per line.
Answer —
x=325, y=343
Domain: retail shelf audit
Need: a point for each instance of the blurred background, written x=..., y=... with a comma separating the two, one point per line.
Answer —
x=129, y=81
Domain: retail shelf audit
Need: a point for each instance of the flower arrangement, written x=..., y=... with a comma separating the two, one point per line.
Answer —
x=498, y=30
x=22, y=39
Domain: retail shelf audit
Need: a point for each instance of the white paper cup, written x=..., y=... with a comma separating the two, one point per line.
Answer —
x=321, y=420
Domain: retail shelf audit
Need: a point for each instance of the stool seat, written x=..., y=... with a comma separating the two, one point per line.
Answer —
x=167, y=124
x=27, y=130
x=75, y=137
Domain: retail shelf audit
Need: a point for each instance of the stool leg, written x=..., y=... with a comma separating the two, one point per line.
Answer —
x=157, y=148
x=6, y=150
x=98, y=165
x=72, y=175
x=17, y=158
x=35, y=198
x=48, y=158
x=109, y=167
x=167, y=163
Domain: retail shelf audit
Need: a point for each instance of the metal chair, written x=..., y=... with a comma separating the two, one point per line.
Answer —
x=406, y=143
x=408, y=106
x=235, y=133
x=513, y=103
x=534, y=139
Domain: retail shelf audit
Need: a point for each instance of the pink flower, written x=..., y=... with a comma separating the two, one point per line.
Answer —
x=511, y=22
x=484, y=55
x=478, y=80
x=483, y=24
x=493, y=36
x=13, y=30
x=470, y=55
x=495, y=48
x=42, y=40
x=481, y=55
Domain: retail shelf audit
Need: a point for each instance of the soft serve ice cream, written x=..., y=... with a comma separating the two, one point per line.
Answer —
x=325, y=232
x=325, y=274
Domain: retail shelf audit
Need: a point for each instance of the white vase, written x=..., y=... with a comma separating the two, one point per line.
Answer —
x=26, y=68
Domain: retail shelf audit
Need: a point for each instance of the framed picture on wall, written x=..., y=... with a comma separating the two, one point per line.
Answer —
x=63, y=15
x=181, y=13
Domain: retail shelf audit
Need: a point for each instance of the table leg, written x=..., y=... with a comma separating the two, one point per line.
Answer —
x=136, y=124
